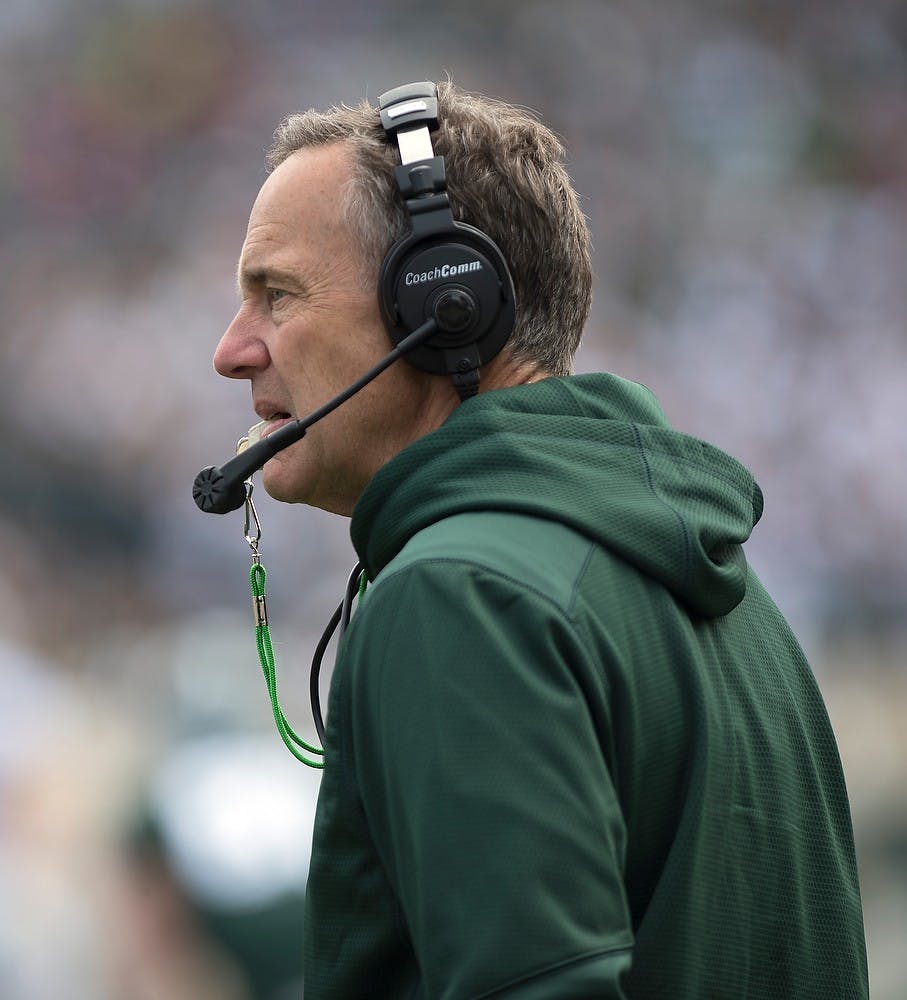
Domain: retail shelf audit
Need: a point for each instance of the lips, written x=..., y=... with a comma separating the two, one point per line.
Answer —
x=272, y=418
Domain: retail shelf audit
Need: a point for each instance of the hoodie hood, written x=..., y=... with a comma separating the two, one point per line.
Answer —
x=594, y=452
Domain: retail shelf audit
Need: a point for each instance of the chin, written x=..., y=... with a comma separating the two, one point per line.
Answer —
x=280, y=483
x=289, y=480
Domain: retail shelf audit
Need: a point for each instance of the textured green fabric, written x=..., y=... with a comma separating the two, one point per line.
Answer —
x=573, y=749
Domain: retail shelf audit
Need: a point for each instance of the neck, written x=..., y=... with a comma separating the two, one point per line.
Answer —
x=503, y=373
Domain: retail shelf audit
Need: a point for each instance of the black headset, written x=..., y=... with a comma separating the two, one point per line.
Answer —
x=441, y=269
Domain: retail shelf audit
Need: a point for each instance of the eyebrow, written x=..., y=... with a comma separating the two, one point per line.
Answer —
x=249, y=277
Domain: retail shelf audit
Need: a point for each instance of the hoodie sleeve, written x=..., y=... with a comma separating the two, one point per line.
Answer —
x=485, y=785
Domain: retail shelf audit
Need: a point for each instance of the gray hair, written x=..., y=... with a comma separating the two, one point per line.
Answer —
x=505, y=176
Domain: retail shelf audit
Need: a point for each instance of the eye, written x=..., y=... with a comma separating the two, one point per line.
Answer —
x=275, y=295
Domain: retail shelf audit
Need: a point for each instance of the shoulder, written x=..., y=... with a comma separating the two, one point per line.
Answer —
x=519, y=551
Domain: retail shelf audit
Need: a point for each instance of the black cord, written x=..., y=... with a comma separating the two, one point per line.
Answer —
x=341, y=617
x=352, y=589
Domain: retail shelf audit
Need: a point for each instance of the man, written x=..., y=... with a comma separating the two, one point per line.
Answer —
x=573, y=749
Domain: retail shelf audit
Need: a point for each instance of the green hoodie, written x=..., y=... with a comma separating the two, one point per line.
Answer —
x=573, y=749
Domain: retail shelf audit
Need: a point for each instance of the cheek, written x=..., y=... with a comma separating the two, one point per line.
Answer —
x=316, y=367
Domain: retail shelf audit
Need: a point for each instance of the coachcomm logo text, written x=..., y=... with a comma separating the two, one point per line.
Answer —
x=444, y=271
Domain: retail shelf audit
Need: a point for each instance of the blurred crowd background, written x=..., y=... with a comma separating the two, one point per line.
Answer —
x=744, y=169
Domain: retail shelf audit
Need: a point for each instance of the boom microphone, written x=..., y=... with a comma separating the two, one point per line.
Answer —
x=220, y=489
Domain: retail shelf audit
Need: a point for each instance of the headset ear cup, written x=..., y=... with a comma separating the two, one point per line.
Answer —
x=460, y=279
x=443, y=270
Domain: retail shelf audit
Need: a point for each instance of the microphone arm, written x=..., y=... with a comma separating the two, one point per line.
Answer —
x=220, y=489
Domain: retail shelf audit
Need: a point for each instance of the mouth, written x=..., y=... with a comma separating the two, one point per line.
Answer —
x=271, y=416
x=263, y=428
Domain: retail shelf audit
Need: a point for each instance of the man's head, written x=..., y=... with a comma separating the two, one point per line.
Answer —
x=505, y=176
x=309, y=323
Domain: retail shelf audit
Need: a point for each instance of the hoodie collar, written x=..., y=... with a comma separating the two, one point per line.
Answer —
x=594, y=452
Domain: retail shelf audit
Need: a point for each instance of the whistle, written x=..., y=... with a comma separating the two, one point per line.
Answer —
x=252, y=436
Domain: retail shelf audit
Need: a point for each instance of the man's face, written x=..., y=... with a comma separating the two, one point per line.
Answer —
x=307, y=327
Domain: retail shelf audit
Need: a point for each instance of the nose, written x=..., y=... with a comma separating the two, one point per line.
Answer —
x=240, y=353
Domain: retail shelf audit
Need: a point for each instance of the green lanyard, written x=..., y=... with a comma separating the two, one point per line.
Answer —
x=257, y=576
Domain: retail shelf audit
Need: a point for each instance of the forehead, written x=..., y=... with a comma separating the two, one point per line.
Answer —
x=297, y=219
